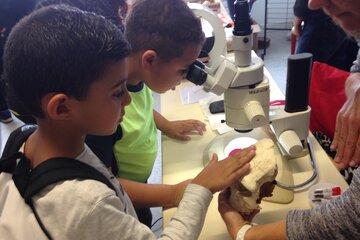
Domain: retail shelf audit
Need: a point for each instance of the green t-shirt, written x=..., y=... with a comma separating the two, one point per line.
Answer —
x=136, y=152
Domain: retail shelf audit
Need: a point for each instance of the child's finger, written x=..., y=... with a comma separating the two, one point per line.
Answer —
x=202, y=125
x=198, y=124
x=233, y=160
x=214, y=158
x=239, y=163
x=182, y=137
x=247, y=158
x=192, y=130
x=199, y=130
x=189, y=127
x=240, y=173
x=195, y=128
x=244, y=152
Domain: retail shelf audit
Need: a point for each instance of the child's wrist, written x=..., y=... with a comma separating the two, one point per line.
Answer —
x=203, y=184
x=166, y=127
x=174, y=195
x=178, y=192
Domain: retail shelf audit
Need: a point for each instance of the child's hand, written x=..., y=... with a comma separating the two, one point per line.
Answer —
x=178, y=192
x=181, y=130
x=217, y=176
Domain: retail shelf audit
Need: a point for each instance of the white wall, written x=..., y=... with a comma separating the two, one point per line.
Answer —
x=258, y=12
x=284, y=9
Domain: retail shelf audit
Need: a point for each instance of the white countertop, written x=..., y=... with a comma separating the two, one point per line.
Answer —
x=183, y=160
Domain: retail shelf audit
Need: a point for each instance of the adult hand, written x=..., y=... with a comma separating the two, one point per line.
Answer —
x=233, y=219
x=296, y=30
x=346, y=138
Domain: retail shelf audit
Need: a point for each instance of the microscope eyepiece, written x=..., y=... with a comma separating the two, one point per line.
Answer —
x=196, y=73
x=242, y=23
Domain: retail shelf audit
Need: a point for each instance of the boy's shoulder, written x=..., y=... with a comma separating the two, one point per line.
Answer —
x=85, y=209
x=140, y=94
x=82, y=194
x=65, y=208
x=75, y=206
x=86, y=192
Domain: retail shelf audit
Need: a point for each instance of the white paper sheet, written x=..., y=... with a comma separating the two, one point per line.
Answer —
x=193, y=94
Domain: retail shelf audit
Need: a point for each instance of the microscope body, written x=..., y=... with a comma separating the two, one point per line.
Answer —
x=246, y=90
x=247, y=105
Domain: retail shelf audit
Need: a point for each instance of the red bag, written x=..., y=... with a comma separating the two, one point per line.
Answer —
x=327, y=96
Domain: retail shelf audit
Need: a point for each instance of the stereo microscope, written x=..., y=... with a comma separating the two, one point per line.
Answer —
x=247, y=95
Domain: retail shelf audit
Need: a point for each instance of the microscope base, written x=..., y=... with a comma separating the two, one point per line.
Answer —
x=218, y=146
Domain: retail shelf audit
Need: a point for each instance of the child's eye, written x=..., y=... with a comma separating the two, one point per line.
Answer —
x=118, y=94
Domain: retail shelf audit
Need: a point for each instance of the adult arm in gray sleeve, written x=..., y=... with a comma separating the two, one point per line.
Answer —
x=337, y=219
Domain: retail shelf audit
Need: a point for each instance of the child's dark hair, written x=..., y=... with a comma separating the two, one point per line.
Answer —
x=165, y=26
x=113, y=10
x=59, y=49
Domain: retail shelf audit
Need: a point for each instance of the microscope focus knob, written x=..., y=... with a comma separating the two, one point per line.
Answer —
x=291, y=143
x=255, y=113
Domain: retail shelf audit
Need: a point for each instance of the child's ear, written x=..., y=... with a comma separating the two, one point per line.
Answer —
x=57, y=106
x=149, y=59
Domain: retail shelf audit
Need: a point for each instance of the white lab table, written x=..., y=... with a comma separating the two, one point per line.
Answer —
x=183, y=160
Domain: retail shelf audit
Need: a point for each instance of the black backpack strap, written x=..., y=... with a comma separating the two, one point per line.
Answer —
x=17, y=138
x=30, y=182
x=12, y=146
x=59, y=169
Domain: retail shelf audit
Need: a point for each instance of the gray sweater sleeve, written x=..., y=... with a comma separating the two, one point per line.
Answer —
x=337, y=219
x=356, y=66
x=106, y=219
x=189, y=218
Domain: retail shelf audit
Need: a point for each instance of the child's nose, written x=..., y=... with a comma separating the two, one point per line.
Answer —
x=127, y=99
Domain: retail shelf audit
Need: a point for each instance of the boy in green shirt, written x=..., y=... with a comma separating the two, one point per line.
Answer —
x=166, y=37
x=158, y=62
